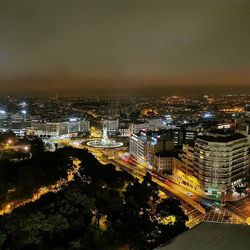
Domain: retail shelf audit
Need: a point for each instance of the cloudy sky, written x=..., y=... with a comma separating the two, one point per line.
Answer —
x=73, y=46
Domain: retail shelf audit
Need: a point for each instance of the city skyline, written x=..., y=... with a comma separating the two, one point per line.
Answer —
x=125, y=124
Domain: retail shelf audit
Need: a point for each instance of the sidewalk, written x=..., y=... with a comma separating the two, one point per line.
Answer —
x=198, y=192
x=228, y=197
x=233, y=197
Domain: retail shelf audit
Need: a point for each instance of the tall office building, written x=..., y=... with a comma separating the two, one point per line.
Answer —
x=137, y=147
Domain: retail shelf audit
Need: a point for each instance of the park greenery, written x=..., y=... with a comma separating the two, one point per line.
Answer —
x=19, y=180
x=102, y=208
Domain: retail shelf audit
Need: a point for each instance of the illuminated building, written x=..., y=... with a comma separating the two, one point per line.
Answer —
x=111, y=125
x=151, y=149
x=73, y=125
x=208, y=116
x=18, y=122
x=191, y=133
x=163, y=162
x=183, y=170
x=3, y=120
x=155, y=124
x=137, y=127
x=137, y=147
x=76, y=125
x=55, y=129
x=213, y=164
x=124, y=132
x=84, y=126
x=220, y=161
x=178, y=136
x=149, y=124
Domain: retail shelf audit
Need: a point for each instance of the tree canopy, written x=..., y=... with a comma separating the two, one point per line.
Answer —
x=102, y=208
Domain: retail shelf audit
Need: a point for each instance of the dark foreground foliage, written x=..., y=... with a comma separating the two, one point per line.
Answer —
x=101, y=209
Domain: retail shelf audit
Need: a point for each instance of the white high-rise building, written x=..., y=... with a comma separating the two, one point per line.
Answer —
x=137, y=147
x=220, y=161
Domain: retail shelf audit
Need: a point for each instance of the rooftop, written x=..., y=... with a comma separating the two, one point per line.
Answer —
x=166, y=154
x=211, y=236
x=219, y=138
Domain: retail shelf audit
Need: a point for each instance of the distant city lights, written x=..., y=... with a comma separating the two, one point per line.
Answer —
x=207, y=115
x=23, y=104
x=73, y=119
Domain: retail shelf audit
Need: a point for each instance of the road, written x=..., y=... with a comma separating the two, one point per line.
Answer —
x=193, y=205
x=240, y=208
x=190, y=206
x=230, y=213
x=171, y=189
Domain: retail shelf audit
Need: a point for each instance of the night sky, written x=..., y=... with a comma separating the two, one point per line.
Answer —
x=71, y=46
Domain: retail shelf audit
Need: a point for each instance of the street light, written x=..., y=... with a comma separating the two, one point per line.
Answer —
x=7, y=209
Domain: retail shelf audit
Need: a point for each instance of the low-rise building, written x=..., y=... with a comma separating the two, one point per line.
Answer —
x=55, y=129
x=112, y=125
x=163, y=162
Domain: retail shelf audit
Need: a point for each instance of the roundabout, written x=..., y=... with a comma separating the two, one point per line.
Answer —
x=105, y=142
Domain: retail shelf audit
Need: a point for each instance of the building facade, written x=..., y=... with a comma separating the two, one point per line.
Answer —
x=111, y=125
x=214, y=164
x=55, y=129
x=220, y=162
x=150, y=149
